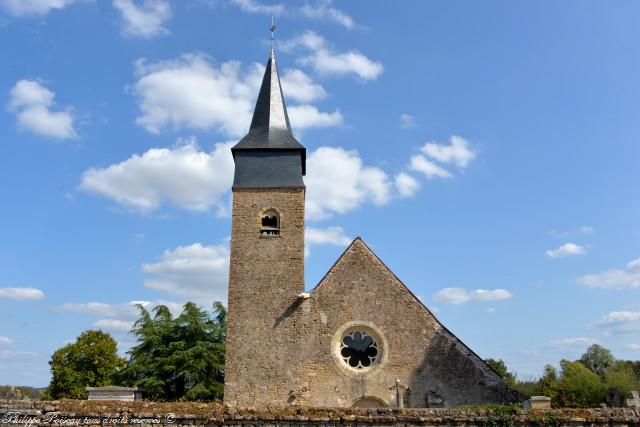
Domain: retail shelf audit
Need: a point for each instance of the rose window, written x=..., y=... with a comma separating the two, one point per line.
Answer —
x=359, y=350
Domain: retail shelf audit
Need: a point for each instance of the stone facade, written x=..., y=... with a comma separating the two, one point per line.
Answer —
x=266, y=275
x=284, y=346
x=421, y=364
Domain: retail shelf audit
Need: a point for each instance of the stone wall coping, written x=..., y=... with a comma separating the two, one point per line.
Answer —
x=113, y=388
x=219, y=414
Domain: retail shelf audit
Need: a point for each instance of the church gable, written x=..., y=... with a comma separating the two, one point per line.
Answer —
x=361, y=296
x=358, y=258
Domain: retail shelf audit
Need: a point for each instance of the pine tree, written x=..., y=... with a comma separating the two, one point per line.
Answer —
x=178, y=358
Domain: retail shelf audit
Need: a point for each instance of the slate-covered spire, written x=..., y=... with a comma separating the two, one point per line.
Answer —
x=270, y=111
x=269, y=156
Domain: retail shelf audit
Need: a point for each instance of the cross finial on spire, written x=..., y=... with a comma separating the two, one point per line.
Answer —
x=272, y=28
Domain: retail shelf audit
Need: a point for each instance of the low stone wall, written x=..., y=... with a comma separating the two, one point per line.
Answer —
x=112, y=413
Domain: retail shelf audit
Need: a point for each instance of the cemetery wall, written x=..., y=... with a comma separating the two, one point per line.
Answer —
x=112, y=413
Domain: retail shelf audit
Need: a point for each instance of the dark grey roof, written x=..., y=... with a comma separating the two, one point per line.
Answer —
x=270, y=132
x=268, y=169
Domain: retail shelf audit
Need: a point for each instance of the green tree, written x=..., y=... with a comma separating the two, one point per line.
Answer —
x=178, y=358
x=632, y=365
x=578, y=386
x=621, y=377
x=548, y=384
x=598, y=359
x=501, y=369
x=91, y=361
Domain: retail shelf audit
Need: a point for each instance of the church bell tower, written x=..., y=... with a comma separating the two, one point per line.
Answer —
x=266, y=272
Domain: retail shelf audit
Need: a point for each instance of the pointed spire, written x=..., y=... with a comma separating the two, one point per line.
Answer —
x=270, y=128
x=270, y=131
x=270, y=111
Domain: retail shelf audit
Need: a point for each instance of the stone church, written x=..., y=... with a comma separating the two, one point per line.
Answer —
x=360, y=337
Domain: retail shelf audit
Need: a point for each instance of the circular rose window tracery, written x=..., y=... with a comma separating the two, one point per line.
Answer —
x=359, y=349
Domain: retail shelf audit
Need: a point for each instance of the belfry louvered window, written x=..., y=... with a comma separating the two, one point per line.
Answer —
x=270, y=223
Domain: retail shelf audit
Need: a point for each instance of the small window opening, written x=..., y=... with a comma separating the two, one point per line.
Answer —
x=270, y=223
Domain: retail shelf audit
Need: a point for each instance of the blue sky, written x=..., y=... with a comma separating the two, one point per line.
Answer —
x=487, y=151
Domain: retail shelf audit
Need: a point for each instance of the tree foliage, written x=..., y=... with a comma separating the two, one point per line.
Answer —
x=501, y=369
x=621, y=377
x=579, y=387
x=549, y=383
x=593, y=379
x=178, y=358
x=598, y=359
x=91, y=361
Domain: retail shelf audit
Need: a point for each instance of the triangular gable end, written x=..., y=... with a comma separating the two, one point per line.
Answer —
x=353, y=246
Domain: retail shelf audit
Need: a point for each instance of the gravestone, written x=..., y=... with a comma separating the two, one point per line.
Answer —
x=538, y=402
x=634, y=402
x=128, y=394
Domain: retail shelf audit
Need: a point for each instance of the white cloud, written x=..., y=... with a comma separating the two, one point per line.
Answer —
x=633, y=347
x=557, y=233
x=11, y=354
x=491, y=310
x=333, y=235
x=458, y=152
x=587, y=229
x=407, y=121
x=567, y=249
x=117, y=317
x=35, y=7
x=128, y=309
x=185, y=177
x=572, y=342
x=32, y=103
x=406, y=184
x=327, y=62
x=308, y=116
x=253, y=6
x=182, y=176
x=494, y=295
x=21, y=294
x=191, y=93
x=628, y=277
x=114, y=324
x=5, y=340
x=323, y=9
x=619, y=322
x=428, y=168
x=337, y=182
x=461, y=296
x=144, y=20
x=298, y=86
x=196, y=271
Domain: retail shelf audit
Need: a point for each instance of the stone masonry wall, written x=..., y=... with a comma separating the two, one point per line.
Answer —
x=266, y=275
x=416, y=349
x=282, y=349
x=111, y=413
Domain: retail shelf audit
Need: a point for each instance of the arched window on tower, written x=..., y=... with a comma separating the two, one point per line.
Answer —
x=270, y=223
